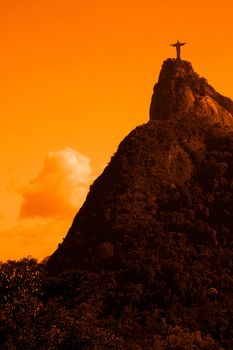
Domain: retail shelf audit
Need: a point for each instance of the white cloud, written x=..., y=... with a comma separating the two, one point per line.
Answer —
x=60, y=188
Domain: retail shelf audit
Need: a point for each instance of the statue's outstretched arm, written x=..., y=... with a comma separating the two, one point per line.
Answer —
x=183, y=43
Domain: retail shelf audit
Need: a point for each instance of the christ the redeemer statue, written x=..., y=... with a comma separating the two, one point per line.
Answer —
x=177, y=45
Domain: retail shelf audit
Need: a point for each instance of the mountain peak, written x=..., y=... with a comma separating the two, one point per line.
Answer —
x=173, y=68
x=181, y=91
x=153, y=241
x=173, y=158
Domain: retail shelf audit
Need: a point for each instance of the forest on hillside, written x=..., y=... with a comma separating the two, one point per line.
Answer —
x=84, y=310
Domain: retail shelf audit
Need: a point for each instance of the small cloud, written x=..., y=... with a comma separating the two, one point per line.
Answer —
x=60, y=188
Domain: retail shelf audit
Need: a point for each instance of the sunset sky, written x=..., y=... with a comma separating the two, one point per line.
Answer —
x=76, y=77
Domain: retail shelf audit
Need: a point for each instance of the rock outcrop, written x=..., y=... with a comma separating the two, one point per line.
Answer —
x=180, y=91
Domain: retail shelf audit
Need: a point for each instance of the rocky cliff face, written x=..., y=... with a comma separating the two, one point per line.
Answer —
x=180, y=91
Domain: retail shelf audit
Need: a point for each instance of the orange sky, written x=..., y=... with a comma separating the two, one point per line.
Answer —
x=76, y=77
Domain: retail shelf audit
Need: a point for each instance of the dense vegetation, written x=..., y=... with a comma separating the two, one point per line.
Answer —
x=83, y=310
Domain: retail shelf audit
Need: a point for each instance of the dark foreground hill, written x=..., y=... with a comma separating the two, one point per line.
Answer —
x=157, y=225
